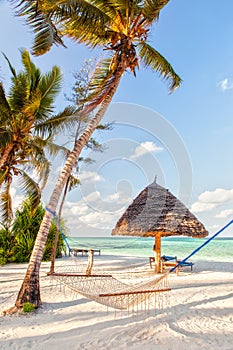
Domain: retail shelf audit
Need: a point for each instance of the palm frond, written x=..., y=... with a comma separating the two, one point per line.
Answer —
x=42, y=170
x=18, y=94
x=65, y=120
x=52, y=19
x=5, y=110
x=53, y=149
x=29, y=66
x=39, y=18
x=12, y=69
x=85, y=21
x=81, y=31
x=30, y=188
x=151, y=9
x=101, y=82
x=49, y=86
x=36, y=162
x=125, y=8
x=152, y=58
x=91, y=10
x=32, y=71
x=32, y=106
x=3, y=176
x=46, y=35
x=6, y=204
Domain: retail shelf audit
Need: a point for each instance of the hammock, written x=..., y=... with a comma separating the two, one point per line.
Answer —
x=110, y=291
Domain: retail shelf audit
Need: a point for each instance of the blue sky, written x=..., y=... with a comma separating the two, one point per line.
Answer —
x=184, y=138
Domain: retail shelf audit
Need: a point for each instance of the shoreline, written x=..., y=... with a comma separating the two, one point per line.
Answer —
x=196, y=313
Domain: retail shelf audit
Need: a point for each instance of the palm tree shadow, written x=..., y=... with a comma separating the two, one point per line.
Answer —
x=66, y=304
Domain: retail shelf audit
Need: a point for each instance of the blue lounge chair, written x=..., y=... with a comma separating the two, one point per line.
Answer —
x=168, y=258
x=186, y=263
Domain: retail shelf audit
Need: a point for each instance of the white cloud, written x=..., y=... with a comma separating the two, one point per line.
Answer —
x=79, y=216
x=199, y=207
x=220, y=195
x=74, y=209
x=224, y=214
x=209, y=200
x=226, y=84
x=118, y=198
x=100, y=220
x=92, y=197
x=87, y=176
x=95, y=212
x=144, y=148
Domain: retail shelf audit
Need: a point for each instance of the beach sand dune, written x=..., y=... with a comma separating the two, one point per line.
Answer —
x=196, y=314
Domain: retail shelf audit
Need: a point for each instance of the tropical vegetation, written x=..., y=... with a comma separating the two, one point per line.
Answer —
x=17, y=242
x=28, y=126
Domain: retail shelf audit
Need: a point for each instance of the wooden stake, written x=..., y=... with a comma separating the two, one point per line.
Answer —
x=90, y=262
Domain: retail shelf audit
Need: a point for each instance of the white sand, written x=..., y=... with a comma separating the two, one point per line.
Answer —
x=197, y=314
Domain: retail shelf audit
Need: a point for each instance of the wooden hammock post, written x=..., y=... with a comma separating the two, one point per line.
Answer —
x=157, y=250
x=90, y=262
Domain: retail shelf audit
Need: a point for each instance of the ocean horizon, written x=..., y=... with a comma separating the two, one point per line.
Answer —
x=219, y=249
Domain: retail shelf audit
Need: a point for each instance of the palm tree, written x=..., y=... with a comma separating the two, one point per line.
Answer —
x=27, y=131
x=121, y=28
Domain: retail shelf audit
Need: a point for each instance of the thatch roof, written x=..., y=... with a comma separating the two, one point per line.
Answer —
x=156, y=210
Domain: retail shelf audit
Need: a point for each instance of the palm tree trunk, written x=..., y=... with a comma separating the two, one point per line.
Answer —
x=30, y=289
x=54, y=252
x=6, y=153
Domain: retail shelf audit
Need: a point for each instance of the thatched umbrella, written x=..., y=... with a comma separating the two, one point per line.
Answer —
x=155, y=212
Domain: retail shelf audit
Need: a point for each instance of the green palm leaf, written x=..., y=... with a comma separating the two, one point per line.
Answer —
x=33, y=72
x=12, y=69
x=85, y=21
x=45, y=19
x=152, y=58
x=48, y=144
x=49, y=86
x=30, y=188
x=38, y=17
x=18, y=94
x=46, y=35
x=3, y=175
x=32, y=107
x=151, y=9
x=42, y=169
x=6, y=204
x=125, y=7
x=5, y=111
x=65, y=120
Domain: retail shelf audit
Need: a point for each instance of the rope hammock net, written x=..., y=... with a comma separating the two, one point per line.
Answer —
x=108, y=290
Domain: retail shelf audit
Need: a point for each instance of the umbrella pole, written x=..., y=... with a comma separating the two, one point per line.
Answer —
x=158, y=253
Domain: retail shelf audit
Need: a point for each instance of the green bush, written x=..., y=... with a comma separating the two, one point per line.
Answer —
x=3, y=259
x=17, y=244
x=28, y=307
x=6, y=243
x=22, y=249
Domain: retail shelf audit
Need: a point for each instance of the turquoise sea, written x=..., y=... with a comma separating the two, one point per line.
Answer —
x=219, y=249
